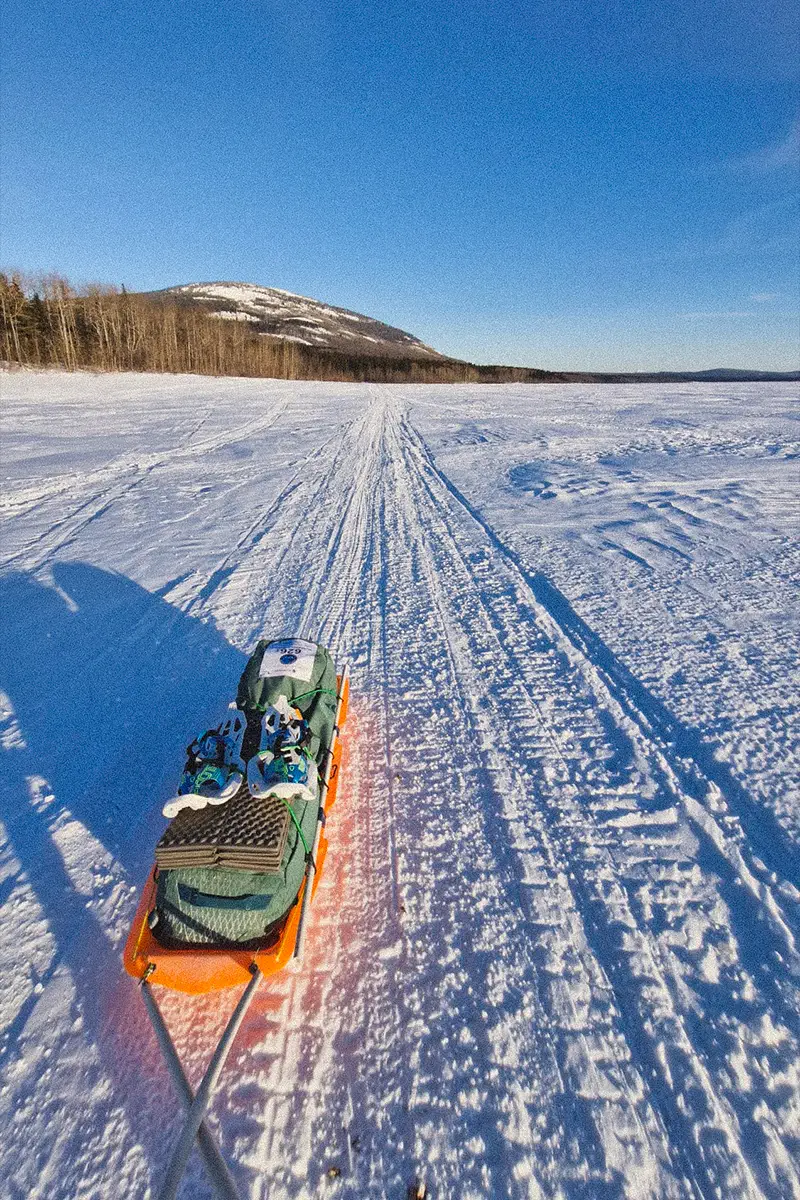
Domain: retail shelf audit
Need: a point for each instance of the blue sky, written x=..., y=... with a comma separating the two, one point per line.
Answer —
x=566, y=185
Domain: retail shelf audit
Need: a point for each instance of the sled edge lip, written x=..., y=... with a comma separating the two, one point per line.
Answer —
x=196, y=971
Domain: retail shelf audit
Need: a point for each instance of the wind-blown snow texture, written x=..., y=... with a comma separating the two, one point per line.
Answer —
x=554, y=952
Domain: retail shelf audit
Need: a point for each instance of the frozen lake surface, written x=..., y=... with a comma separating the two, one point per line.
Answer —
x=554, y=951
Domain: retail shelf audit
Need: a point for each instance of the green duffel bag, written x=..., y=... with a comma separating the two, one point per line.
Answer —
x=224, y=906
x=301, y=671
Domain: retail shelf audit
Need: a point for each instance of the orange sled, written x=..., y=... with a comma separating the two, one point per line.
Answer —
x=206, y=969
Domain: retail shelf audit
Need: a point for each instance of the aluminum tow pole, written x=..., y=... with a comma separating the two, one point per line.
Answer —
x=217, y=1168
x=202, y=1098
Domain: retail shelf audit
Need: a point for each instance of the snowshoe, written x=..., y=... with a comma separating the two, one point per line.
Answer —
x=283, y=725
x=214, y=769
x=289, y=774
x=283, y=767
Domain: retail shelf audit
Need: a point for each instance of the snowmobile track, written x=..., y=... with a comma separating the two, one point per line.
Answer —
x=605, y=907
x=117, y=481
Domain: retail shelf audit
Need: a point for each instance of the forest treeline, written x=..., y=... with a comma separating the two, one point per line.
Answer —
x=46, y=322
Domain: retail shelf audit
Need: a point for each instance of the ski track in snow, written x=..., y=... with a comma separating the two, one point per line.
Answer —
x=554, y=952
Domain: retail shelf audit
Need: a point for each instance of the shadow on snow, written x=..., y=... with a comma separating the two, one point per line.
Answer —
x=108, y=683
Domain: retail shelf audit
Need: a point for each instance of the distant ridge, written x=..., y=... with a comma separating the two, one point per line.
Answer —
x=715, y=375
x=326, y=327
x=240, y=329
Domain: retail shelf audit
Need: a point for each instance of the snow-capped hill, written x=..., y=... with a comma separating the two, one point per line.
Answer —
x=300, y=319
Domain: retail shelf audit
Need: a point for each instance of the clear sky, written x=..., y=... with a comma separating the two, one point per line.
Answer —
x=562, y=183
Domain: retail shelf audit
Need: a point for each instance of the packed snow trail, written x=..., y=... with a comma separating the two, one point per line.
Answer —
x=554, y=950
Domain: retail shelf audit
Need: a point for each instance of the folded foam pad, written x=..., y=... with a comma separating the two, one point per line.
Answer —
x=247, y=832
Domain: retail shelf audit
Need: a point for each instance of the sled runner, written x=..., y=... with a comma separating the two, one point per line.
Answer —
x=227, y=900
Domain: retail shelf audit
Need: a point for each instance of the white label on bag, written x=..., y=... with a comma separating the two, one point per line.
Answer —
x=291, y=657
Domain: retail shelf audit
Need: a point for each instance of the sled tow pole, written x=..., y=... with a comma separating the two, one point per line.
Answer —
x=216, y=1166
x=202, y=1099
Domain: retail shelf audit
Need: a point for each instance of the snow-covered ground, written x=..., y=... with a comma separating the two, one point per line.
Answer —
x=554, y=952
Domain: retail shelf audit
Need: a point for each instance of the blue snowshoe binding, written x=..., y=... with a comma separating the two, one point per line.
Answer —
x=214, y=769
x=283, y=766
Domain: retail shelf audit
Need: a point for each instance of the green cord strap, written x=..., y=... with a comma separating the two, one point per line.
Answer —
x=283, y=800
x=303, y=696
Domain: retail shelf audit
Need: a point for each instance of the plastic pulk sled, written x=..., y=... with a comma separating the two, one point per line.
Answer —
x=228, y=898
